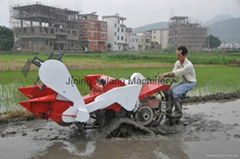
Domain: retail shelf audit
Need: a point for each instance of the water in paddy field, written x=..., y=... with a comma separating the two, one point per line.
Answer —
x=210, y=130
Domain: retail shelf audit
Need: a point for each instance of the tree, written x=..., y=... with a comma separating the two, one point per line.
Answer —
x=213, y=42
x=6, y=38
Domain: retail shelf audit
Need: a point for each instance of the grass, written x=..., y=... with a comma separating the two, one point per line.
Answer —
x=211, y=78
x=120, y=60
x=213, y=72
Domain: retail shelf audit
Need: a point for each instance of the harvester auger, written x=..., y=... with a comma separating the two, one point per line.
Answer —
x=116, y=107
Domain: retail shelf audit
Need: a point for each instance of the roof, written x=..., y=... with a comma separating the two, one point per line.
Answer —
x=179, y=17
x=92, y=14
x=24, y=7
x=114, y=16
x=158, y=29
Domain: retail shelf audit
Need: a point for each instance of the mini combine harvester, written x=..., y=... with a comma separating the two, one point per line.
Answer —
x=114, y=106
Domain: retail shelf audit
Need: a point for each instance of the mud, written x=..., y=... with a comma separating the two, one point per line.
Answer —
x=213, y=97
x=210, y=130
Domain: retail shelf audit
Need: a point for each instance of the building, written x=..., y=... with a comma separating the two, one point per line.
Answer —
x=93, y=33
x=131, y=39
x=182, y=32
x=44, y=28
x=160, y=37
x=145, y=41
x=229, y=46
x=116, y=40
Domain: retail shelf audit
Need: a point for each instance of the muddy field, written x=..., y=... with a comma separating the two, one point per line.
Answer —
x=210, y=130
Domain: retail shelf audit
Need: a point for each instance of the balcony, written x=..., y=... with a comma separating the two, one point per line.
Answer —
x=71, y=37
x=35, y=32
x=61, y=32
x=59, y=41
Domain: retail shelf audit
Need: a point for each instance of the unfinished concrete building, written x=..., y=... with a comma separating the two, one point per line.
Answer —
x=182, y=32
x=44, y=28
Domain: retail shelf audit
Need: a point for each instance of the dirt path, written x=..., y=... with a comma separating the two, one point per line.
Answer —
x=210, y=130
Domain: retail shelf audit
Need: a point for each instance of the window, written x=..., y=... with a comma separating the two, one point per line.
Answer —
x=115, y=34
x=52, y=31
x=46, y=30
x=118, y=37
x=118, y=29
x=74, y=32
x=122, y=30
x=32, y=29
x=103, y=35
x=122, y=38
x=104, y=26
x=115, y=25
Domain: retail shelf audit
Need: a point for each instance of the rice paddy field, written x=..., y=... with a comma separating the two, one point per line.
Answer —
x=216, y=71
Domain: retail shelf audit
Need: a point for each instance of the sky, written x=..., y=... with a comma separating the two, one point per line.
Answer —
x=140, y=12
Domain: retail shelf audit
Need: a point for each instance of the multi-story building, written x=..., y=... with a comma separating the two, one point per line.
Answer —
x=93, y=33
x=229, y=45
x=45, y=28
x=182, y=32
x=116, y=33
x=144, y=41
x=131, y=39
x=160, y=37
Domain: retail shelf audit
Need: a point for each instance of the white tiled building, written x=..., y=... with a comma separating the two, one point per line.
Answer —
x=116, y=34
x=229, y=45
x=144, y=41
x=161, y=37
x=131, y=39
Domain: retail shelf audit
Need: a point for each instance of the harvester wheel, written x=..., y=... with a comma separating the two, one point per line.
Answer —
x=144, y=115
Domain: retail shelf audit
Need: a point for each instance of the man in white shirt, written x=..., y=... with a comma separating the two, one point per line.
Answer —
x=184, y=69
